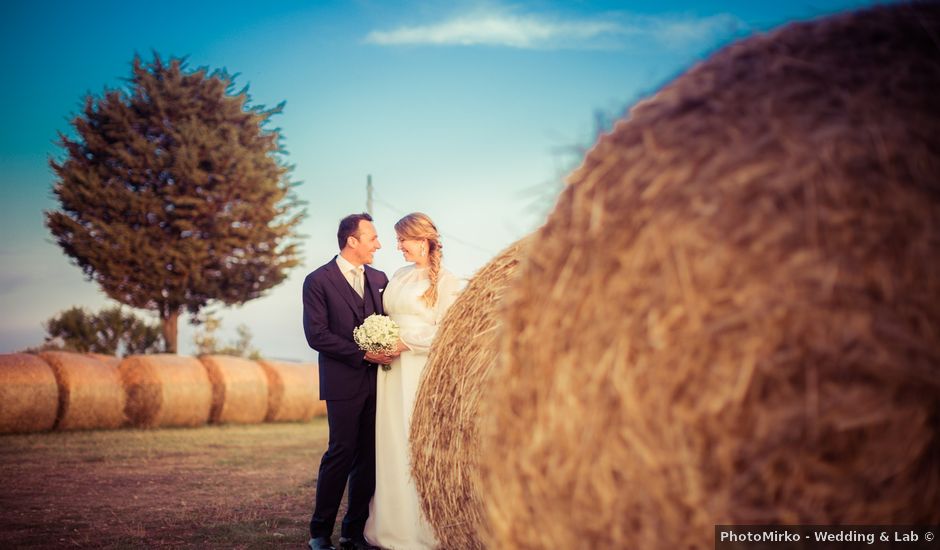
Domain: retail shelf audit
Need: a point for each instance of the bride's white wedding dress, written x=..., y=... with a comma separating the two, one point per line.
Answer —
x=396, y=521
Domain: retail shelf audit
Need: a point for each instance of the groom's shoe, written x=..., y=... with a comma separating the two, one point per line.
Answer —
x=357, y=543
x=321, y=543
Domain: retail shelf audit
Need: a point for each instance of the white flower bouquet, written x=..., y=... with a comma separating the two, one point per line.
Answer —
x=377, y=334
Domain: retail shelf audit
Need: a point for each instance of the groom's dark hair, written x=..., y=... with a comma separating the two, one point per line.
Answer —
x=349, y=227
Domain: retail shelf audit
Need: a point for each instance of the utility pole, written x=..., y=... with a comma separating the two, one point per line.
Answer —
x=369, y=194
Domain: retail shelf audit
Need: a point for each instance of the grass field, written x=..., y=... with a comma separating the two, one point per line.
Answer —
x=212, y=487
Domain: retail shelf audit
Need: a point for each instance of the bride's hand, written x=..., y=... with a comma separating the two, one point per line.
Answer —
x=400, y=347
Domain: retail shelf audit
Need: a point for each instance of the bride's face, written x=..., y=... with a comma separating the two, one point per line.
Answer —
x=411, y=249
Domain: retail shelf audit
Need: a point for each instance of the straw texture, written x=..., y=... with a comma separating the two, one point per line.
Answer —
x=444, y=436
x=239, y=389
x=105, y=358
x=29, y=396
x=90, y=392
x=166, y=390
x=293, y=391
x=733, y=313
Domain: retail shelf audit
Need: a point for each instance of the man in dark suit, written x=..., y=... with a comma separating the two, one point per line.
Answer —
x=337, y=298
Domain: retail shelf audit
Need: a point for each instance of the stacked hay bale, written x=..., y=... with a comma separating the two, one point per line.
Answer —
x=293, y=391
x=444, y=436
x=239, y=389
x=29, y=395
x=90, y=392
x=733, y=315
x=105, y=358
x=166, y=390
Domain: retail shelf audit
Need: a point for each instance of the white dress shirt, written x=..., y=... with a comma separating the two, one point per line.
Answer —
x=355, y=275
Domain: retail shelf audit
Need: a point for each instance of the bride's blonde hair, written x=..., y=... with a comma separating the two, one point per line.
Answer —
x=419, y=226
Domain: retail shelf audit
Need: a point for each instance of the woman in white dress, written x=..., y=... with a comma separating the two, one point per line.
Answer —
x=416, y=298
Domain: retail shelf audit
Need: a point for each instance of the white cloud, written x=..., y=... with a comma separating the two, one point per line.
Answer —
x=538, y=32
x=496, y=30
x=680, y=31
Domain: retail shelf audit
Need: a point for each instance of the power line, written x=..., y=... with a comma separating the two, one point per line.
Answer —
x=450, y=237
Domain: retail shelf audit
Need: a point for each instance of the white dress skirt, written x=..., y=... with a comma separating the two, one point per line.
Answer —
x=396, y=521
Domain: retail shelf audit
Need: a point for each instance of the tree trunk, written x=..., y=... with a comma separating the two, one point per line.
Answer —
x=169, y=320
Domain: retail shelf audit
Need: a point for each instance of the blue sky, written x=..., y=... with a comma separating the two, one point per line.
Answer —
x=471, y=112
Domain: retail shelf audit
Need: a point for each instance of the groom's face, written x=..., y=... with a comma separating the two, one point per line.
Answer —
x=367, y=242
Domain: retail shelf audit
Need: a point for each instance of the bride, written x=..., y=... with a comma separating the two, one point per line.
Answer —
x=416, y=298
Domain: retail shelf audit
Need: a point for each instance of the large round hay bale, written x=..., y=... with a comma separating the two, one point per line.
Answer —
x=445, y=462
x=239, y=389
x=105, y=358
x=90, y=392
x=166, y=390
x=29, y=396
x=293, y=391
x=732, y=316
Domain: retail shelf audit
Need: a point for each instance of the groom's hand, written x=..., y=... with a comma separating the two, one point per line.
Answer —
x=379, y=358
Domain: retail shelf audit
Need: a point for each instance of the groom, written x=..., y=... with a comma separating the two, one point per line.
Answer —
x=337, y=298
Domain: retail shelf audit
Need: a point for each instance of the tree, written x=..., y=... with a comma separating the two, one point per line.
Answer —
x=109, y=331
x=207, y=342
x=174, y=194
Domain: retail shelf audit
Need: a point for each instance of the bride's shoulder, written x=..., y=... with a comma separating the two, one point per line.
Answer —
x=447, y=276
x=402, y=271
x=446, y=273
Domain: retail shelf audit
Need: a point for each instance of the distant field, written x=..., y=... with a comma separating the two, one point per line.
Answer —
x=246, y=486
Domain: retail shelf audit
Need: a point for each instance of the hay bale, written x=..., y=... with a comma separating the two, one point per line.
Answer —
x=105, y=358
x=239, y=389
x=166, y=390
x=445, y=462
x=293, y=391
x=732, y=316
x=90, y=392
x=29, y=396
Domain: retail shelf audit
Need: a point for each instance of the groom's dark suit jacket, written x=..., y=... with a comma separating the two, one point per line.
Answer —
x=332, y=309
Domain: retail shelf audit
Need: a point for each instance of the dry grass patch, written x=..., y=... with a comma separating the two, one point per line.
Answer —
x=228, y=486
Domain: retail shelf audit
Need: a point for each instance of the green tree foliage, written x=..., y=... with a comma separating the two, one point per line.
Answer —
x=207, y=340
x=174, y=194
x=110, y=331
